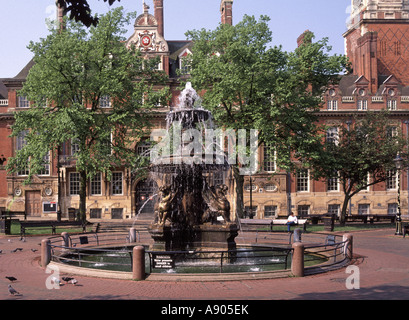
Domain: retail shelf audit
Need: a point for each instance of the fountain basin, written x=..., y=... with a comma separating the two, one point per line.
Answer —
x=243, y=259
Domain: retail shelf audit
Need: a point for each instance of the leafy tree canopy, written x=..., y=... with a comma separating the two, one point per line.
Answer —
x=248, y=84
x=80, y=11
x=75, y=71
x=361, y=154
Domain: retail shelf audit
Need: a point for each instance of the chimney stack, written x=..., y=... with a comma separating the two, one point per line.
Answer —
x=158, y=6
x=61, y=10
x=301, y=39
x=226, y=10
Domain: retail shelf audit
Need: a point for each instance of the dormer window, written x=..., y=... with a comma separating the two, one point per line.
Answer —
x=361, y=92
x=185, y=62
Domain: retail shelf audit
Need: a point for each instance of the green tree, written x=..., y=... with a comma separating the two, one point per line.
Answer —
x=80, y=10
x=75, y=70
x=360, y=155
x=248, y=84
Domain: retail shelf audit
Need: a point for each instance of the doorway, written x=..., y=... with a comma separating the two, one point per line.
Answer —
x=33, y=203
x=145, y=189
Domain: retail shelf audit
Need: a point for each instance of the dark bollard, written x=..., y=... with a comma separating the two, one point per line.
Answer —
x=348, y=247
x=65, y=239
x=297, y=264
x=297, y=235
x=45, y=252
x=138, y=263
x=132, y=235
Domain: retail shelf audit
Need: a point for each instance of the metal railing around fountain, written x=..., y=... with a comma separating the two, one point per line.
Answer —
x=90, y=250
x=81, y=249
x=226, y=261
x=333, y=251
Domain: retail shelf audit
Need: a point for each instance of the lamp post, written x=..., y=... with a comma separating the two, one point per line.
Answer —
x=398, y=163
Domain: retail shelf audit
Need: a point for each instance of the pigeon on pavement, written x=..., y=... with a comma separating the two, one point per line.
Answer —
x=56, y=280
x=67, y=279
x=12, y=291
x=12, y=279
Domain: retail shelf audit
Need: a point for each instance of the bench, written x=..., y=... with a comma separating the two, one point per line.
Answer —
x=363, y=218
x=405, y=228
x=379, y=217
x=270, y=223
x=24, y=225
x=12, y=214
x=301, y=222
x=111, y=227
x=256, y=222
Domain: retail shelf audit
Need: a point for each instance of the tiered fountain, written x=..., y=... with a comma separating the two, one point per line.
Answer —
x=188, y=209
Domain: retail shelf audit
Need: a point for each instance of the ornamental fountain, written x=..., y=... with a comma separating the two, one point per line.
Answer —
x=192, y=212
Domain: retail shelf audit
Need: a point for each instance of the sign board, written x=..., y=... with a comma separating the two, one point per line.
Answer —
x=163, y=261
x=49, y=207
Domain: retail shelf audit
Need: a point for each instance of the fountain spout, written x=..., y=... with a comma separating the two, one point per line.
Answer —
x=188, y=97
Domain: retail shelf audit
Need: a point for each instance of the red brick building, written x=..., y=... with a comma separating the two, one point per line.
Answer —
x=377, y=44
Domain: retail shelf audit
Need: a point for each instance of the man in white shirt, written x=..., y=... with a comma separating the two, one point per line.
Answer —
x=291, y=221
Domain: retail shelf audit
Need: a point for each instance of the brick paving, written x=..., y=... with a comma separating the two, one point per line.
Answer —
x=382, y=259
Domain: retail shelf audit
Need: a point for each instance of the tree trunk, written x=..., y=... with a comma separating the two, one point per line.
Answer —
x=83, y=196
x=342, y=218
x=239, y=192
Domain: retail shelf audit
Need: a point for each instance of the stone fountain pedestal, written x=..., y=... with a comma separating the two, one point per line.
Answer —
x=206, y=236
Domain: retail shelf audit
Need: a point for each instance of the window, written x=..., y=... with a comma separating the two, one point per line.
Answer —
x=75, y=147
x=392, y=132
x=105, y=102
x=23, y=102
x=117, y=213
x=391, y=180
x=117, y=184
x=362, y=104
x=392, y=208
x=269, y=164
x=20, y=143
x=185, y=62
x=391, y=104
x=334, y=209
x=218, y=178
x=96, y=183
x=365, y=183
x=253, y=187
x=333, y=183
x=302, y=180
x=143, y=149
x=303, y=211
x=363, y=209
x=46, y=170
x=95, y=213
x=270, y=211
x=332, y=135
x=74, y=183
x=249, y=213
x=332, y=105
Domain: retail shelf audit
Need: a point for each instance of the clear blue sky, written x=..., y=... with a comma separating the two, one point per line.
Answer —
x=24, y=20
